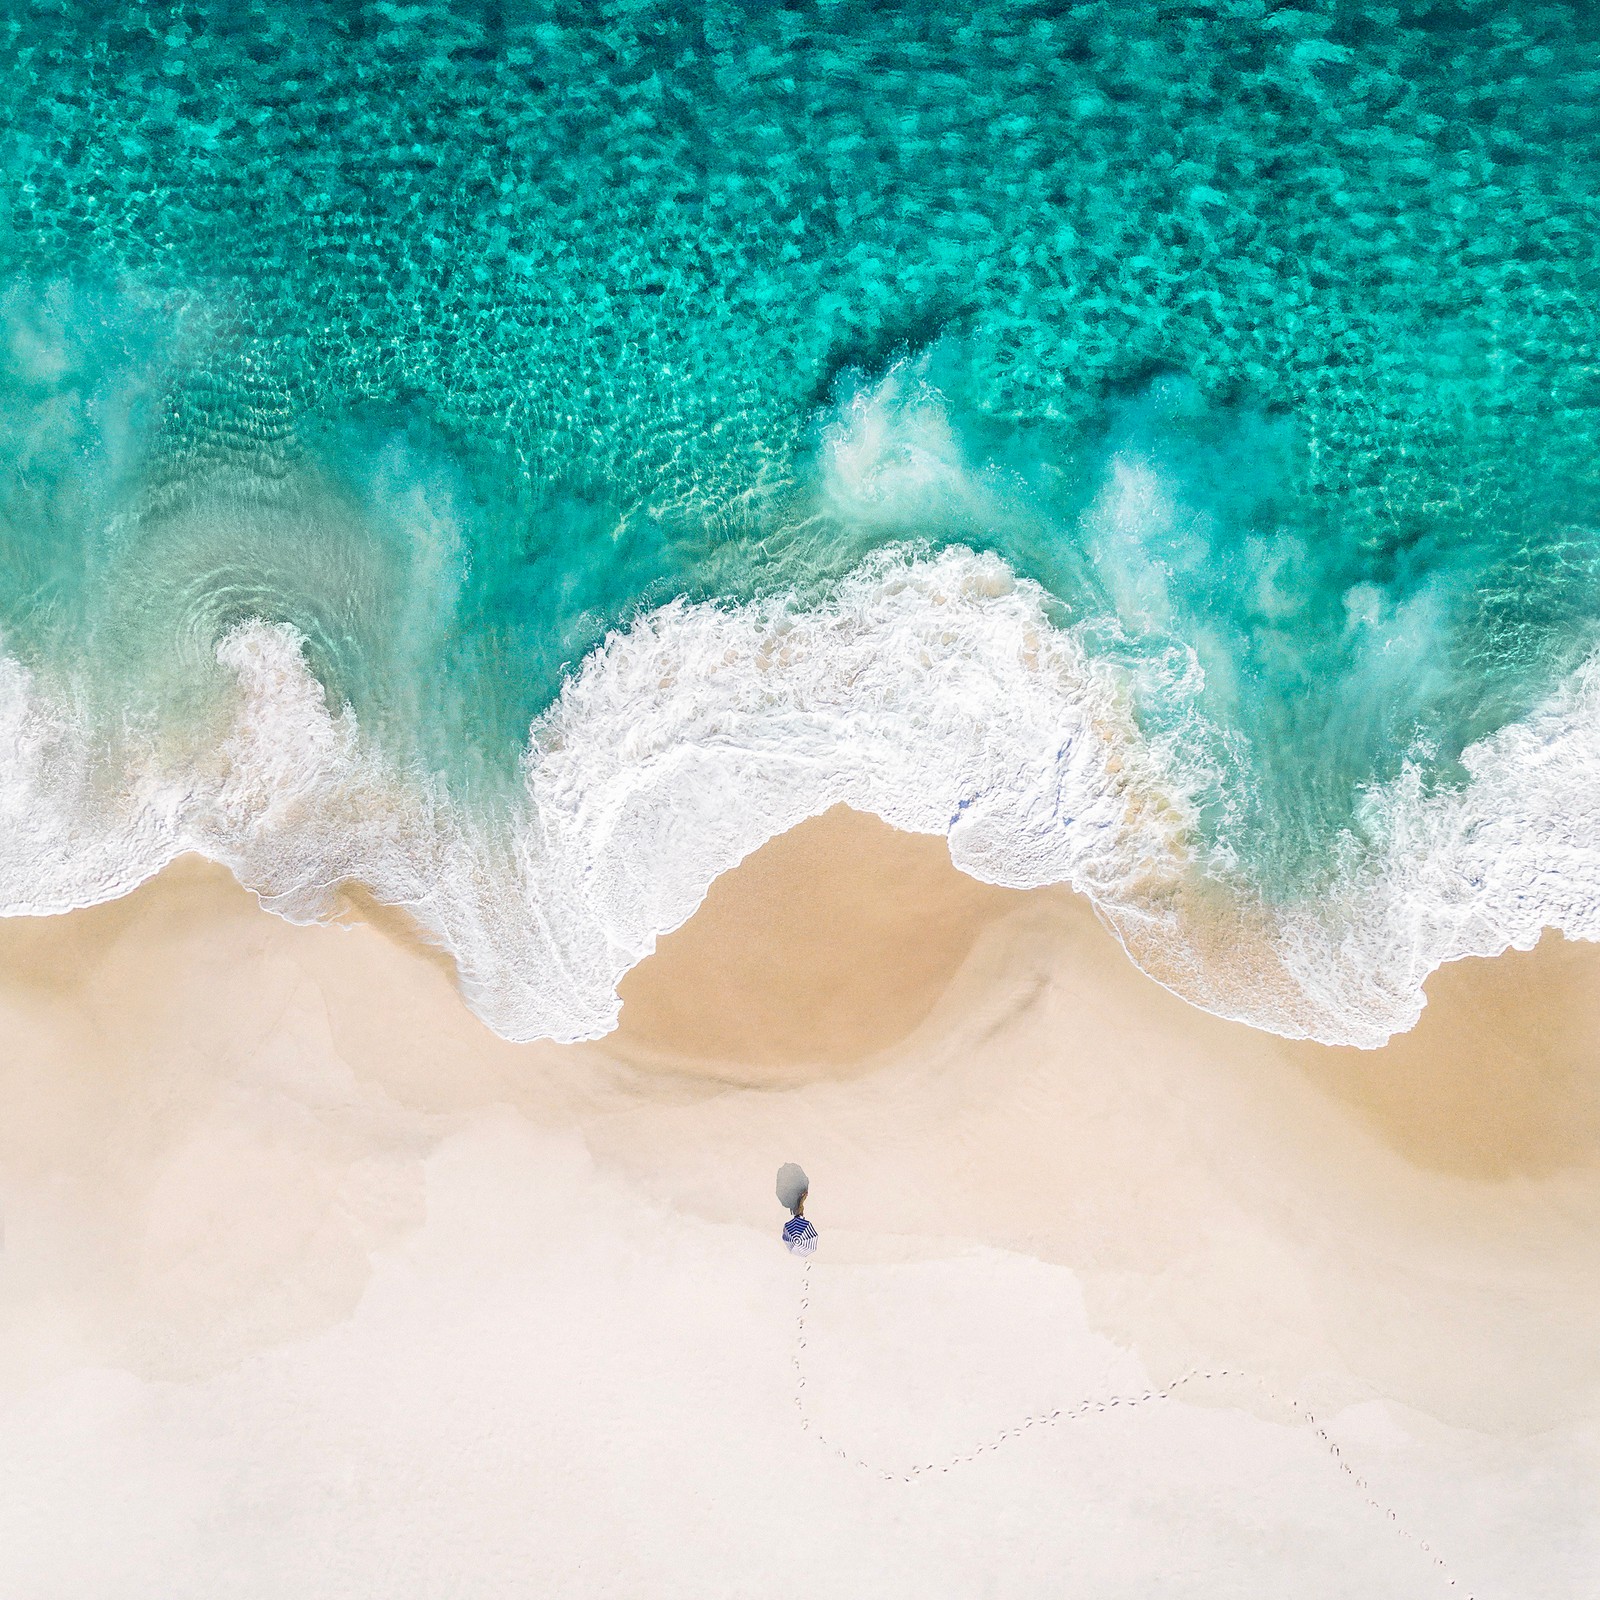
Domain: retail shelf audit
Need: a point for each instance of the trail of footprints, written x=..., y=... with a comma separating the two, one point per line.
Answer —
x=1084, y=1408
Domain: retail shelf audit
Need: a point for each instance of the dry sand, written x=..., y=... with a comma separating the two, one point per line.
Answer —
x=311, y=1286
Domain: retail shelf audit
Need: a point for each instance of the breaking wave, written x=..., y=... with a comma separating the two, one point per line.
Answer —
x=932, y=691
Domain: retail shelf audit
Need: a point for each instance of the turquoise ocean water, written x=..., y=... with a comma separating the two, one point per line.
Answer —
x=366, y=367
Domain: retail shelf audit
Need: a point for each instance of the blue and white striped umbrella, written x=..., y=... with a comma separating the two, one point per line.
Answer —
x=799, y=1236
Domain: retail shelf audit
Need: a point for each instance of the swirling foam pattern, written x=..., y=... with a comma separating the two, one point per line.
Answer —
x=522, y=457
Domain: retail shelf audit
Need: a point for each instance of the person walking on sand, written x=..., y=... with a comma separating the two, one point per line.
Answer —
x=799, y=1237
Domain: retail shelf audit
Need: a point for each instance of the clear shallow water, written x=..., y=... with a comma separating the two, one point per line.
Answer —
x=447, y=339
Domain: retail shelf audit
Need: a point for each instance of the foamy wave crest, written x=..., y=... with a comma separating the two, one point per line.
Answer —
x=1470, y=871
x=67, y=839
x=931, y=691
x=1434, y=877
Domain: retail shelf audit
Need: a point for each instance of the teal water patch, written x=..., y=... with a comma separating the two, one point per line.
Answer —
x=454, y=335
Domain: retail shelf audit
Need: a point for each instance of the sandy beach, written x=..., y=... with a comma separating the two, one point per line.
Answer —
x=311, y=1285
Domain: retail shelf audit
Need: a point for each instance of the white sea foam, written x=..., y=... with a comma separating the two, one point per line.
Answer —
x=930, y=690
x=1469, y=871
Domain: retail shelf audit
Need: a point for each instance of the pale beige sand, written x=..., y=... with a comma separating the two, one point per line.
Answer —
x=311, y=1286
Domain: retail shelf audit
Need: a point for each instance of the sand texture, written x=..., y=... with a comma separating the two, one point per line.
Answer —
x=313, y=1287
